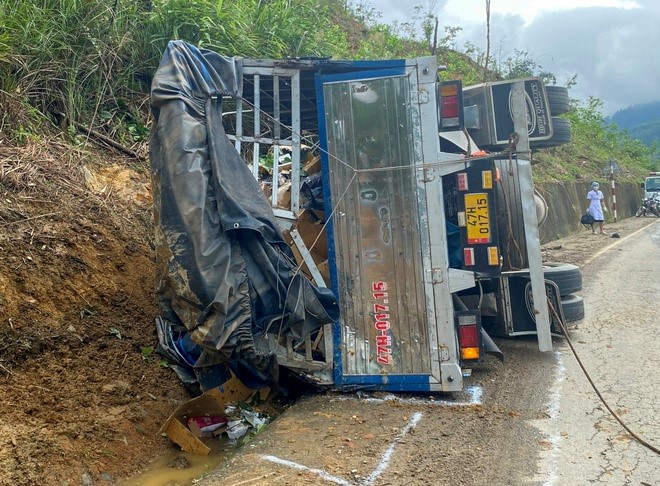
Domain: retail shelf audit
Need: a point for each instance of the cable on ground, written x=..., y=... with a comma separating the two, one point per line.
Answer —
x=634, y=435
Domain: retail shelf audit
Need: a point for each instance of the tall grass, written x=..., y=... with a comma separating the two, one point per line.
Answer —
x=90, y=62
x=68, y=59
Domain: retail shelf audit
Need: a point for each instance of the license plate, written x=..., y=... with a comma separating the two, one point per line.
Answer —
x=477, y=219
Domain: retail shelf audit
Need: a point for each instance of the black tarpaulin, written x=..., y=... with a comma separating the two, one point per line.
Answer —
x=224, y=272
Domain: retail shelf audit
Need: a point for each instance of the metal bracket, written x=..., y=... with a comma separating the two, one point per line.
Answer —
x=460, y=279
x=437, y=276
x=443, y=353
x=420, y=97
x=428, y=174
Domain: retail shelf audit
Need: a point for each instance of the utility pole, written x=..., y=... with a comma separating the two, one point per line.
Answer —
x=613, y=194
x=609, y=170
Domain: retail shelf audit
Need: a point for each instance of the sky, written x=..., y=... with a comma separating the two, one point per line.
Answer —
x=613, y=46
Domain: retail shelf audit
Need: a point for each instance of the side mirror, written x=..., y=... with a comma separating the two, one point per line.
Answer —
x=641, y=184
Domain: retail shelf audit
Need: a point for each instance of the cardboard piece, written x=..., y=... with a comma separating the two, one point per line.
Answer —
x=324, y=270
x=312, y=165
x=211, y=403
x=284, y=196
x=312, y=231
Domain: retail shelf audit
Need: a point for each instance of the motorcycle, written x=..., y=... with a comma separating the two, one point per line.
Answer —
x=650, y=206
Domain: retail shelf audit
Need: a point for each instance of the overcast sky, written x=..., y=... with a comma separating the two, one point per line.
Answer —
x=612, y=45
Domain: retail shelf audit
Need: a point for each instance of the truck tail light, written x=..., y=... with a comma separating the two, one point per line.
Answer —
x=469, y=335
x=450, y=105
x=450, y=109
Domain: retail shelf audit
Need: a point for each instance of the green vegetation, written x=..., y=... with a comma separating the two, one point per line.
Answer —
x=649, y=133
x=641, y=121
x=70, y=62
x=67, y=66
x=594, y=142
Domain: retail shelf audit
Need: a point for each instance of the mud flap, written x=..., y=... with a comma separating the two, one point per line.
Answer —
x=490, y=347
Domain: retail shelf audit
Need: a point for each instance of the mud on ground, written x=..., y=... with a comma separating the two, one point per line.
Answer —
x=581, y=247
x=83, y=393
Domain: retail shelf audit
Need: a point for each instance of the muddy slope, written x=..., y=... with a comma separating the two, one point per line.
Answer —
x=82, y=392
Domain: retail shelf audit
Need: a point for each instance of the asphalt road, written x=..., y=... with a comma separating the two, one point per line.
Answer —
x=533, y=420
x=618, y=345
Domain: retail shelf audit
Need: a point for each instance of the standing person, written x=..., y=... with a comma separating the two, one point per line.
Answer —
x=596, y=207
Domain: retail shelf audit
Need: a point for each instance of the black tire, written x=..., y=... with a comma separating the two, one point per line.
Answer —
x=562, y=134
x=558, y=100
x=567, y=277
x=639, y=212
x=573, y=308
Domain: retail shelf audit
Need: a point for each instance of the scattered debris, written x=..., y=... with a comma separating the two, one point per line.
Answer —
x=221, y=410
x=206, y=425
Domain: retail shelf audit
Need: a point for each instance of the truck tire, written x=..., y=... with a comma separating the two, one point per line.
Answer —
x=567, y=277
x=573, y=308
x=558, y=100
x=562, y=134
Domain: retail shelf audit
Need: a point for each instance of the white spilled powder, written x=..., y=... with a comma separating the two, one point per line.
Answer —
x=382, y=465
x=474, y=392
x=550, y=428
x=385, y=461
x=319, y=472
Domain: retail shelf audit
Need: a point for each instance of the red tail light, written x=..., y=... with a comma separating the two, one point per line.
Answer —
x=450, y=105
x=469, y=335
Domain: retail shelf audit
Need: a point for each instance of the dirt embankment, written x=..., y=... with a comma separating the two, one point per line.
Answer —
x=82, y=391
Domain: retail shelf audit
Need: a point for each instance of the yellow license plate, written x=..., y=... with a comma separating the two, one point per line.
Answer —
x=477, y=219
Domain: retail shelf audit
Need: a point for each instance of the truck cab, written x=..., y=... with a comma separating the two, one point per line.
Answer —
x=651, y=185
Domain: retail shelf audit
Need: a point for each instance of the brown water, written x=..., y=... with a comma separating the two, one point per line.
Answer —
x=164, y=471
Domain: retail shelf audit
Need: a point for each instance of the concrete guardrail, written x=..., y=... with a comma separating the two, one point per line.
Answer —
x=567, y=201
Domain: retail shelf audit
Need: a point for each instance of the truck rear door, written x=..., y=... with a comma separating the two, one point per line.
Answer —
x=387, y=239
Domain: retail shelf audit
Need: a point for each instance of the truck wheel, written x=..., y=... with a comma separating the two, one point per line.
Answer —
x=567, y=277
x=562, y=134
x=558, y=99
x=573, y=308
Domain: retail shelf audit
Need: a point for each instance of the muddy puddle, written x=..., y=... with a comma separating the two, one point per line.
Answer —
x=179, y=468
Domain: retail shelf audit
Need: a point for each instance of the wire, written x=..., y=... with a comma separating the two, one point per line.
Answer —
x=426, y=165
x=639, y=439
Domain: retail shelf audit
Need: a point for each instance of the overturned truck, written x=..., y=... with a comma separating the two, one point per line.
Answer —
x=353, y=224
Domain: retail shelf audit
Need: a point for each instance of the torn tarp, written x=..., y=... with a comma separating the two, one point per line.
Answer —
x=224, y=272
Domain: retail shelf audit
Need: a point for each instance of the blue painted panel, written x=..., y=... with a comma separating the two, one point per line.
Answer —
x=409, y=383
